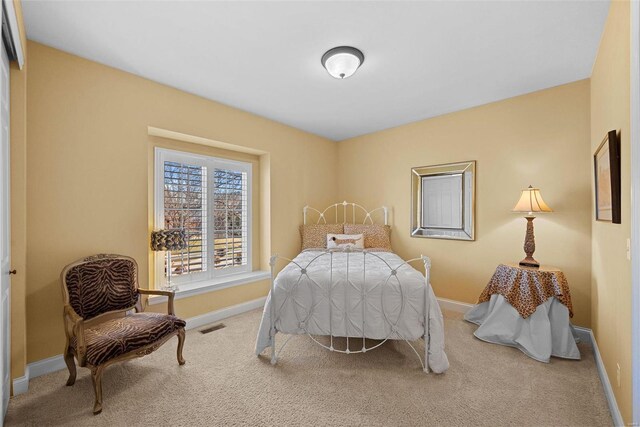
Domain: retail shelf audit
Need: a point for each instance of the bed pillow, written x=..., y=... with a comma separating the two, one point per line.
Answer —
x=345, y=241
x=375, y=235
x=315, y=235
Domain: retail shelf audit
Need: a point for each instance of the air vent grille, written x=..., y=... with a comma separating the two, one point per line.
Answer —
x=212, y=328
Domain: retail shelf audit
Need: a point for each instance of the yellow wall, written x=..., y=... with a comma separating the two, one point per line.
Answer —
x=539, y=139
x=88, y=158
x=18, y=127
x=611, y=271
x=87, y=186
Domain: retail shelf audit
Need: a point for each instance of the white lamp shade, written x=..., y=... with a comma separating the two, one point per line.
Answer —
x=342, y=62
x=531, y=201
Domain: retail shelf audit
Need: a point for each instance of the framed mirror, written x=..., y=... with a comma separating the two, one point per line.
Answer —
x=443, y=201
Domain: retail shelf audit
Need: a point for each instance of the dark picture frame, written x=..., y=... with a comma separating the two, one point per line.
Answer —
x=606, y=163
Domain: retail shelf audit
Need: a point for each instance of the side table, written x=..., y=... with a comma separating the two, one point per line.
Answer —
x=527, y=308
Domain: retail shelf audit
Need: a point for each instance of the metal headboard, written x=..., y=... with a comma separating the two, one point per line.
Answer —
x=349, y=210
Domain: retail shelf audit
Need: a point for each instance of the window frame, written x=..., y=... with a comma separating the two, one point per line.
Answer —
x=211, y=163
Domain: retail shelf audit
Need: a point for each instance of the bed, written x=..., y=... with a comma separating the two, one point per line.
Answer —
x=352, y=300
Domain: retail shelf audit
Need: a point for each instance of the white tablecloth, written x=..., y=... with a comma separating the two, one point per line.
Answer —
x=545, y=333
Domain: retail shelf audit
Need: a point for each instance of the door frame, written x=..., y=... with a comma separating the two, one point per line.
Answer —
x=5, y=217
x=15, y=53
x=635, y=208
x=14, y=33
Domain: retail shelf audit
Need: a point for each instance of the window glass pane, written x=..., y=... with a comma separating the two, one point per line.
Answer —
x=185, y=207
x=230, y=218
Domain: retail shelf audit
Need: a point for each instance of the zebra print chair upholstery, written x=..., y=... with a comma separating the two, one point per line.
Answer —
x=99, y=294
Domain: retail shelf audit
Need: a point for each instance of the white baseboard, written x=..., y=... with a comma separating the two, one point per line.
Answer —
x=604, y=379
x=56, y=363
x=46, y=366
x=218, y=315
x=21, y=384
x=35, y=369
x=585, y=335
x=453, y=305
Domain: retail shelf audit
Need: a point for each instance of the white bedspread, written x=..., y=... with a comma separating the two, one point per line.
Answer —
x=339, y=309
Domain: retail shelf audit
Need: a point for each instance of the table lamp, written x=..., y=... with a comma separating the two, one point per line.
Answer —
x=530, y=202
x=168, y=240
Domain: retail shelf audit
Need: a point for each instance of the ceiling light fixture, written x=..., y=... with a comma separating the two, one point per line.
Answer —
x=341, y=62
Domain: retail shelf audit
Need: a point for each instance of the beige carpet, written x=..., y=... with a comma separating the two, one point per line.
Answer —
x=224, y=384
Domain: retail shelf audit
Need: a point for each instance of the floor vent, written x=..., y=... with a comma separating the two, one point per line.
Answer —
x=212, y=328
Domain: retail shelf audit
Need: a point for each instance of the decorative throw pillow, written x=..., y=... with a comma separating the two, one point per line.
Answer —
x=375, y=235
x=315, y=235
x=345, y=240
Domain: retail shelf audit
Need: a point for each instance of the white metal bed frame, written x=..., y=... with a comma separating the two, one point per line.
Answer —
x=352, y=210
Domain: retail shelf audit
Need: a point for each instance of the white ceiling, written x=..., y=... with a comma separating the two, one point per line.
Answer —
x=422, y=59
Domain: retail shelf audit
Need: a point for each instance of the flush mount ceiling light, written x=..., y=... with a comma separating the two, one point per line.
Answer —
x=341, y=62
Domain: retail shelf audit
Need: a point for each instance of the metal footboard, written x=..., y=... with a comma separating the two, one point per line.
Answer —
x=390, y=322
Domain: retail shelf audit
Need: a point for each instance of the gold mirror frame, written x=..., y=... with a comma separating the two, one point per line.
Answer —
x=465, y=230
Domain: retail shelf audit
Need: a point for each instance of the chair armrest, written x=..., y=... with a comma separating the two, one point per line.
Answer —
x=169, y=294
x=72, y=315
x=74, y=328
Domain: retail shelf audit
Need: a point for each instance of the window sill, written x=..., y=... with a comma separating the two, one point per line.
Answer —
x=191, y=289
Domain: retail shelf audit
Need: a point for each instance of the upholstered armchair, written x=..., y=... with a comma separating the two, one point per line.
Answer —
x=100, y=296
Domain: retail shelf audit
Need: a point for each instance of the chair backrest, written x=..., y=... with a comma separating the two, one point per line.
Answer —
x=100, y=284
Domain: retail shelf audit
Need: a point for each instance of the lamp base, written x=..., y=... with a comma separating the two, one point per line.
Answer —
x=529, y=262
x=169, y=286
x=529, y=245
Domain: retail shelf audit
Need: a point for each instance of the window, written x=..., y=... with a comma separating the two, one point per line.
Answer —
x=210, y=199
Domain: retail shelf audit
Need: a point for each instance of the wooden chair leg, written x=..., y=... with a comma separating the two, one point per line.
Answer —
x=181, y=334
x=96, y=378
x=71, y=365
